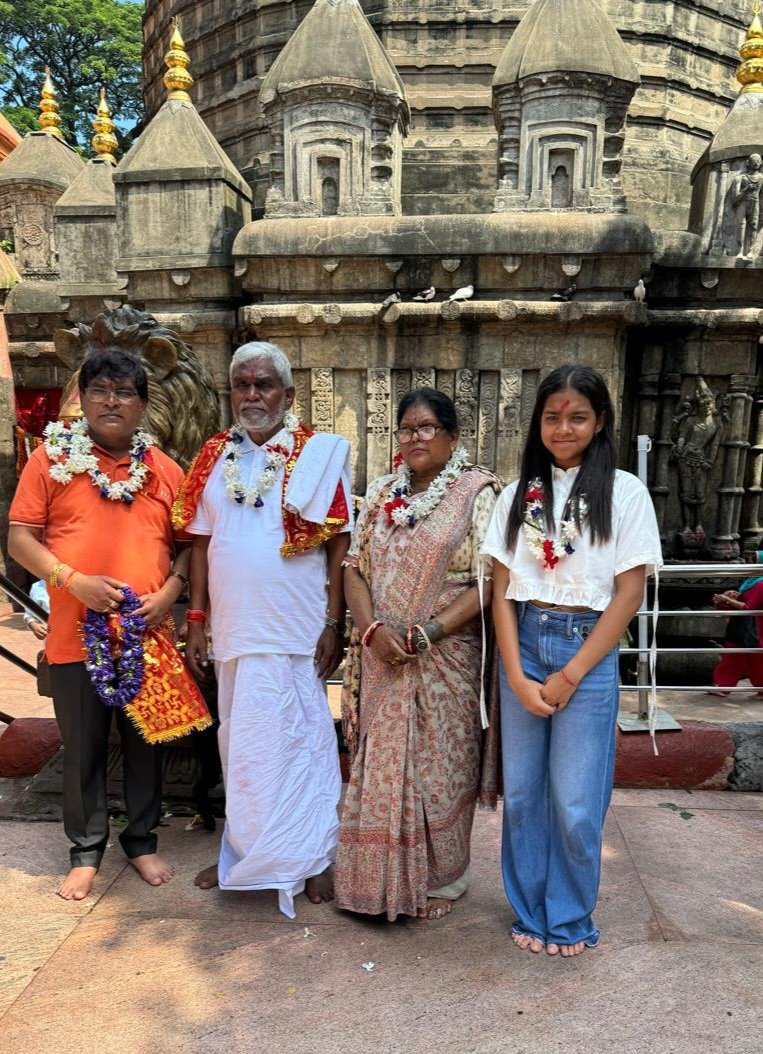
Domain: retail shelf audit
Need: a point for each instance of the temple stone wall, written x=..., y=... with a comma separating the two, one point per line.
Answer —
x=686, y=52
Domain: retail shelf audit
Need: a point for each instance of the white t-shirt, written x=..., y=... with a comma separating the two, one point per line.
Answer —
x=261, y=602
x=586, y=577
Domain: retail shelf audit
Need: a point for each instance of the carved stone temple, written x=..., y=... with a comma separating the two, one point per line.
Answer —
x=302, y=161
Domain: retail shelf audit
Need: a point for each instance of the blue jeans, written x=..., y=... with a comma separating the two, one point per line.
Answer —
x=557, y=775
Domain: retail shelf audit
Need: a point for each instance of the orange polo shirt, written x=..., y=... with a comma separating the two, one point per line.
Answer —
x=132, y=543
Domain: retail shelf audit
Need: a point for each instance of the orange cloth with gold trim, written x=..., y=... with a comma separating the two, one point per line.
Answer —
x=169, y=703
x=300, y=535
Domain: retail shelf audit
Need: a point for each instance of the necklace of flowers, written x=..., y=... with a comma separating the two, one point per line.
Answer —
x=115, y=683
x=276, y=457
x=402, y=510
x=70, y=450
x=543, y=548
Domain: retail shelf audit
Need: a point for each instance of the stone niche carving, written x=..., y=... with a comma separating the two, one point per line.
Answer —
x=695, y=435
x=561, y=93
x=337, y=115
x=561, y=142
x=742, y=210
x=28, y=225
x=339, y=159
x=726, y=207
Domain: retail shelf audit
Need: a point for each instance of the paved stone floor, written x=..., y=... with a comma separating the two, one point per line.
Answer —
x=136, y=970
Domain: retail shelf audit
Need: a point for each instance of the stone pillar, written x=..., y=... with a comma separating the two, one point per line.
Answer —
x=670, y=393
x=751, y=526
x=649, y=399
x=724, y=544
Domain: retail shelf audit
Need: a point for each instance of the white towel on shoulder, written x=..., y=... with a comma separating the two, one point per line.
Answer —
x=323, y=464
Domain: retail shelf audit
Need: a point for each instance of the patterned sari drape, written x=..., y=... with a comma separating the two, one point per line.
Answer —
x=414, y=730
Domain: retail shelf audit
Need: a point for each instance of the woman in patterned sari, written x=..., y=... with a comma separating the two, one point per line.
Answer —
x=411, y=698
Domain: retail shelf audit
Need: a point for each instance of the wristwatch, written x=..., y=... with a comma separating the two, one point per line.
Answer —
x=335, y=624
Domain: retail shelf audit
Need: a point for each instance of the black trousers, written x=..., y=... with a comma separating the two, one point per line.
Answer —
x=85, y=724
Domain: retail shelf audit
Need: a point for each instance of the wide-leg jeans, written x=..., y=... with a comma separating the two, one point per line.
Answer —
x=558, y=775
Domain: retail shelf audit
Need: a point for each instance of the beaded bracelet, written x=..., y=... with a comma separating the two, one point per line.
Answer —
x=567, y=679
x=196, y=615
x=368, y=636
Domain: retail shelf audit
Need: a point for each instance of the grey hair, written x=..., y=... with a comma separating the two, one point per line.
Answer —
x=260, y=349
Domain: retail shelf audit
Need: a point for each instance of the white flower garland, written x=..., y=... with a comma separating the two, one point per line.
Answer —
x=276, y=457
x=548, y=550
x=406, y=511
x=70, y=450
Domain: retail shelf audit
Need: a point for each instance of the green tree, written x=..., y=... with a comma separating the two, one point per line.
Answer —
x=87, y=44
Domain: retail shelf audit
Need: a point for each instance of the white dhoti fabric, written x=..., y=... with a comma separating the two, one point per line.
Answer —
x=281, y=770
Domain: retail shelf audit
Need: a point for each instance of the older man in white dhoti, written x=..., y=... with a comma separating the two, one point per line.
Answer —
x=270, y=509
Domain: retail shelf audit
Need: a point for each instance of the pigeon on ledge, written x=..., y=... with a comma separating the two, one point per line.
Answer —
x=426, y=294
x=639, y=293
x=393, y=298
x=466, y=292
x=565, y=294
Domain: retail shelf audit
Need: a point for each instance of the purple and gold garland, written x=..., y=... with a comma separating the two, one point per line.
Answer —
x=115, y=684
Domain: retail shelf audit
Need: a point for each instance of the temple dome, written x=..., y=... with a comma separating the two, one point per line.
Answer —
x=565, y=36
x=334, y=44
x=42, y=158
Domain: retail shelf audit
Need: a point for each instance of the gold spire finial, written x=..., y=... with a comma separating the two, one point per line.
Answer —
x=750, y=73
x=177, y=79
x=104, y=141
x=50, y=120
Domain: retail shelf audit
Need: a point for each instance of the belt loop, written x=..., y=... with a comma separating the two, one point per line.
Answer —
x=570, y=623
x=521, y=609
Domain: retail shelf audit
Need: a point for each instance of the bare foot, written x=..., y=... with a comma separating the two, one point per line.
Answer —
x=77, y=883
x=566, y=950
x=320, y=888
x=153, y=869
x=437, y=908
x=207, y=879
x=525, y=943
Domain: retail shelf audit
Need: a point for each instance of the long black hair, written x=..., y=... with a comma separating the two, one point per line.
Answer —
x=597, y=471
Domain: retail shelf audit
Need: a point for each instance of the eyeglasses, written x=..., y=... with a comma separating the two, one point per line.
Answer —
x=424, y=432
x=102, y=395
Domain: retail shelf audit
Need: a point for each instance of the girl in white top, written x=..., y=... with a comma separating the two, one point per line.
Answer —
x=572, y=541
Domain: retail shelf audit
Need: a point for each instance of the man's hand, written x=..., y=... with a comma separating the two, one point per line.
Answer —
x=328, y=652
x=197, y=650
x=530, y=696
x=99, y=592
x=39, y=629
x=154, y=607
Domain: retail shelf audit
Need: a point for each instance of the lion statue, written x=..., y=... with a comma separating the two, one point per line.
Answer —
x=183, y=405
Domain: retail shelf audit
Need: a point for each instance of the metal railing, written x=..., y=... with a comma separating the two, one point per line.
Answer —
x=647, y=650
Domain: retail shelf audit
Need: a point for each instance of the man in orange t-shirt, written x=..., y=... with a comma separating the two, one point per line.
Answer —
x=88, y=546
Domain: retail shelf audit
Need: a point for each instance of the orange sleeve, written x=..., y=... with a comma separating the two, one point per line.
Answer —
x=32, y=498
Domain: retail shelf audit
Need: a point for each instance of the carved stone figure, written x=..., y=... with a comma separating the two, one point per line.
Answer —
x=183, y=408
x=745, y=201
x=695, y=438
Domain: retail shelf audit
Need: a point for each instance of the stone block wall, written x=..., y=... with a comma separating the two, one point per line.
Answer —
x=686, y=53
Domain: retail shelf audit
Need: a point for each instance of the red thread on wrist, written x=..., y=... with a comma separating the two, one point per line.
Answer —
x=567, y=679
x=64, y=582
x=196, y=615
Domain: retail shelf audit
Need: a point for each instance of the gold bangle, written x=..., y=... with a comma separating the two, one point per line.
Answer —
x=53, y=576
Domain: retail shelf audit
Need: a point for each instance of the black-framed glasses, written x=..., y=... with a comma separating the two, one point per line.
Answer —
x=102, y=395
x=424, y=432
